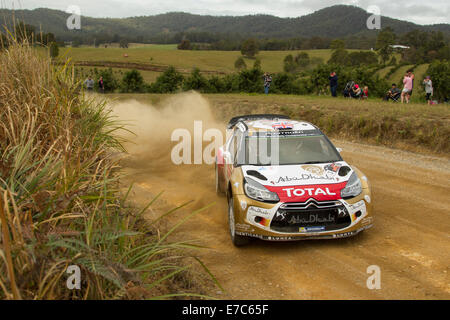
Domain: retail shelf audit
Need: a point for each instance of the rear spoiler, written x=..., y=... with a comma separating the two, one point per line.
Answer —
x=254, y=117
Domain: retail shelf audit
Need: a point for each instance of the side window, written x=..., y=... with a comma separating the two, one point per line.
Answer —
x=231, y=142
x=239, y=156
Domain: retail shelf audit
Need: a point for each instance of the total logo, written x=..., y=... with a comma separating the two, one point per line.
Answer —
x=294, y=192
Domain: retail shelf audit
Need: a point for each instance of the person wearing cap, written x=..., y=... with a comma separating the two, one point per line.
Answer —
x=356, y=91
x=428, y=89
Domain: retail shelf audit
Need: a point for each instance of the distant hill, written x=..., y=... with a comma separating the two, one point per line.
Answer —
x=333, y=22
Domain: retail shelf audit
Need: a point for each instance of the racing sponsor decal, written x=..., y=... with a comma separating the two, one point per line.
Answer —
x=344, y=234
x=297, y=133
x=333, y=168
x=311, y=229
x=256, y=211
x=270, y=238
x=282, y=125
x=318, y=171
x=324, y=192
x=303, y=177
x=367, y=221
x=244, y=227
x=357, y=206
x=312, y=218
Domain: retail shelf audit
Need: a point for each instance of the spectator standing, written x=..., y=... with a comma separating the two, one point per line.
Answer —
x=89, y=83
x=267, y=82
x=333, y=83
x=428, y=89
x=411, y=75
x=101, y=85
x=407, y=88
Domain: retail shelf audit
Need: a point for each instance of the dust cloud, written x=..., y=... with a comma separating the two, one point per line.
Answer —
x=149, y=146
x=151, y=126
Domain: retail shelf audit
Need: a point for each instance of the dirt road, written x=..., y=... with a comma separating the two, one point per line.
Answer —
x=409, y=242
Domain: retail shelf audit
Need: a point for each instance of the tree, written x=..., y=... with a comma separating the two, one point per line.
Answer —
x=109, y=80
x=337, y=44
x=302, y=60
x=123, y=43
x=240, y=64
x=196, y=81
x=54, y=50
x=132, y=81
x=170, y=81
x=257, y=64
x=439, y=71
x=289, y=64
x=250, y=48
x=340, y=57
x=184, y=45
x=385, y=40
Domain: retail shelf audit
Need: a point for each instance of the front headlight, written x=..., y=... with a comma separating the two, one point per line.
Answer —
x=257, y=191
x=353, y=187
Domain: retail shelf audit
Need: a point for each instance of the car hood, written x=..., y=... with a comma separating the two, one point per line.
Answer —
x=298, y=183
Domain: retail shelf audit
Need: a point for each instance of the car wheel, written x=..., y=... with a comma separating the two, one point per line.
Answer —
x=219, y=190
x=237, y=240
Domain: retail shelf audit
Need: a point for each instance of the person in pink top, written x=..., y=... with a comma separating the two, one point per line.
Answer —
x=407, y=88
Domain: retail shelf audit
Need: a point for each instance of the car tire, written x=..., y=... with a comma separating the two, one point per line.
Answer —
x=237, y=240
x=218, y=178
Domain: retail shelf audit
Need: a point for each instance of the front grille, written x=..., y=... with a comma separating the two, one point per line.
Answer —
x=311, y=216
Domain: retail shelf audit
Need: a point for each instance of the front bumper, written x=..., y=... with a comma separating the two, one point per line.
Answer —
x=309, y=220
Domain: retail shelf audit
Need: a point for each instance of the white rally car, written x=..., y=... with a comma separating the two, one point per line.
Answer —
x=285, y=180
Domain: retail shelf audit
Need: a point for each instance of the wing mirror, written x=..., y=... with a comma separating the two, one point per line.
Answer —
x=339, y=150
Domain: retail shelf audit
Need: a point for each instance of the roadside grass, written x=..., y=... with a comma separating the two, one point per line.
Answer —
x=60, y=199
x=414, y=127
x=219, y=61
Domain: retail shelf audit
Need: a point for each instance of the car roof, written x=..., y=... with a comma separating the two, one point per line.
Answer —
x=278, y=125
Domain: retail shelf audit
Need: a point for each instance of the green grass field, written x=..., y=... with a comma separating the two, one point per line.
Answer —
x=164, y=55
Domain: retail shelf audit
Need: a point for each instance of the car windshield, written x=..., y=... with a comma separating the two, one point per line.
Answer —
x=289, y=150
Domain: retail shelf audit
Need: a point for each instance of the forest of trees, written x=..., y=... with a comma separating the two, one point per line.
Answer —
x=225, y=32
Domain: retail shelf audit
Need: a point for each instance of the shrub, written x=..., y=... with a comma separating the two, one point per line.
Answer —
x=54, y=50
x=184, y=45
x=439, y=71
x=240, y=64
x=132, y=82
x=250, y=48
x=169, y=81
x=109, y=80
x=196, y=81
x=250, y=80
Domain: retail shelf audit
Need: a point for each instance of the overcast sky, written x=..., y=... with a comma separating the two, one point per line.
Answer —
x=417, y=11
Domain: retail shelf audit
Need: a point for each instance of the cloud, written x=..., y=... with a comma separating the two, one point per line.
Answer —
x=418, y=11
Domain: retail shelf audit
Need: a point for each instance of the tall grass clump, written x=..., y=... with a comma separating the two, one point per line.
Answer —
x=60, y=203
